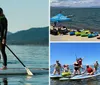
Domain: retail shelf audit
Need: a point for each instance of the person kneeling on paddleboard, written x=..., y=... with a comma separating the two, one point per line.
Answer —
x=66, y=68
x=89, y=70
x=66, y=72
x=57, y=68
x=3, y=33
x=76, y=68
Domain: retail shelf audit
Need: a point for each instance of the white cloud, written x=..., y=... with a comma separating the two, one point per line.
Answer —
x=75, y=3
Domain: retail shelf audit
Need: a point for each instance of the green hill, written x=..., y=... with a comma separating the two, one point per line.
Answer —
x=30, y=36
x=9, y=33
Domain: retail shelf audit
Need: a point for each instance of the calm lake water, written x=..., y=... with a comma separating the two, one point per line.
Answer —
x=83, y=18
x=33, y=57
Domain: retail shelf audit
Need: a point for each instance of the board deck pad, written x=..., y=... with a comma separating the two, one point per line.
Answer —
x=22, y=71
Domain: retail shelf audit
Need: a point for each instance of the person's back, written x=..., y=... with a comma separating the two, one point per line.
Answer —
x=3, y=26
x=89, y=70
x=58, y=65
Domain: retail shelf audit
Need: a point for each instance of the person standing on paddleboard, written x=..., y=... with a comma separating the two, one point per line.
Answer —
x=76, y=68
x=57, y=68
x=3, y=33
x=96, y=65
x=79, y=61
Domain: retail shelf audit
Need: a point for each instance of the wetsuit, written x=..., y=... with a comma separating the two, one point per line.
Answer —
x=3, y=33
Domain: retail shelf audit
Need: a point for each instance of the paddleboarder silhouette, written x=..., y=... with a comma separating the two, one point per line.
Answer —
x=3, y=33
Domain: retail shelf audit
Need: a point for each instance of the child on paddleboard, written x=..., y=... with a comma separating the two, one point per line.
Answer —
x=66, y=68
x=66, y=72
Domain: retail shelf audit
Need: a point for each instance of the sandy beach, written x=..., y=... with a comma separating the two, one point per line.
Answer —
x=71, y=38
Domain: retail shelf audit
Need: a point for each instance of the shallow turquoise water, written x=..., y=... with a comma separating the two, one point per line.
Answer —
x=89, y=81
x=33, y=57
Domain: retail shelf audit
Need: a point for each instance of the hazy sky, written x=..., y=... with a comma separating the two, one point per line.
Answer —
x=66, y=52
x=24, y=14
x=75, y=3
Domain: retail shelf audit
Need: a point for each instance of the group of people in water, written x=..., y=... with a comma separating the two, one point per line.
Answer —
x=77, y=68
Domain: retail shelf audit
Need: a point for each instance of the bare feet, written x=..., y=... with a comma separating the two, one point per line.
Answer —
x=3, y=68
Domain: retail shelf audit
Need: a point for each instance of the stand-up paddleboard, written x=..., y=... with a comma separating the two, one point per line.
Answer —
x=22, y=71
x=79, y=77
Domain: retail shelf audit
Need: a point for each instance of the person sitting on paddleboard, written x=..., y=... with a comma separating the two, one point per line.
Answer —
x=89, y=70
x=66, y=68
x=76, y=68
x=3, y=33
x=57, y=68
x=96, y=65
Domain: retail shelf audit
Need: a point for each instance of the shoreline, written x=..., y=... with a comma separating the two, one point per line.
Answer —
x=71, y=38
x=91, y=29
x=74, y=37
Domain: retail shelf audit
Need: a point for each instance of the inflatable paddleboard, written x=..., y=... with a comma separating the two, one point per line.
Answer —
x=80, y=77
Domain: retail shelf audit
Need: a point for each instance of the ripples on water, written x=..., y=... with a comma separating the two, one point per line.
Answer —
x=24, y=80
x=33, y=57
x=87, y=18
x=92, y=81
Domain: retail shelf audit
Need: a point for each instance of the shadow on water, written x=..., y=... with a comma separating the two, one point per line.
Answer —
x=23, y=80
x=5, y=82
x=92, y=81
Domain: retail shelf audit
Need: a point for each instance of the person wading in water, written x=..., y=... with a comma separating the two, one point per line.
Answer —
x=3, y=33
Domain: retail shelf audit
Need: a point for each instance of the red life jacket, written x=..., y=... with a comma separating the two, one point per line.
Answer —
x=89, y=70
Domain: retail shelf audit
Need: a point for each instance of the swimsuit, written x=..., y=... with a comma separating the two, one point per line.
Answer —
x=76, y=67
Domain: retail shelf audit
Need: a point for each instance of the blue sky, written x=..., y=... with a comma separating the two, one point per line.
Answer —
x=24, y=14
x=65, y=52
x=75, y=3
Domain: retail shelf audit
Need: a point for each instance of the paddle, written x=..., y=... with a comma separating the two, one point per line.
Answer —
x=76, y=57
x=28, y=71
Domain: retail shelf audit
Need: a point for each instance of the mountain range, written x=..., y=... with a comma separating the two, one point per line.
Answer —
x=37, y=36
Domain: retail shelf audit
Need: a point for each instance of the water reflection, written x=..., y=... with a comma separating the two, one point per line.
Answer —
x=5, y=81
x=24, y=80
